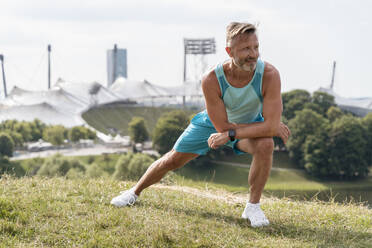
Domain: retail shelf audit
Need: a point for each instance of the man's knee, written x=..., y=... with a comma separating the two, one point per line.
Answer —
x=264, y=146
x=174, y=160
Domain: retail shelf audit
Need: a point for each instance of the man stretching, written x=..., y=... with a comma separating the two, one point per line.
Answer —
x=243, y=110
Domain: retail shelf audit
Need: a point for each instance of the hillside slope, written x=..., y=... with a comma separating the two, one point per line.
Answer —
x=38, y=212
x=116, y=116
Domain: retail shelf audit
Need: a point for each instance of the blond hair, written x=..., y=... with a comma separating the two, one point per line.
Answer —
x=236, y=28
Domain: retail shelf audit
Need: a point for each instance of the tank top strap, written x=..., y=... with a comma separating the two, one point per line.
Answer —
x=257, y=82
x=221, y=79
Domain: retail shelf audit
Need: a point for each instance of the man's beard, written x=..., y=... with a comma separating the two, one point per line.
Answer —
x=244, y=64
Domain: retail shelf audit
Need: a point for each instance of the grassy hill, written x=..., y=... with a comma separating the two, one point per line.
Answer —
x=37, y=212
x=118, y=115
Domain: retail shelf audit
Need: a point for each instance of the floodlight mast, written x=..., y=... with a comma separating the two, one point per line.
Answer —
x=4, y=81
x=333, y=74
x=196, y=47
x=49, y=50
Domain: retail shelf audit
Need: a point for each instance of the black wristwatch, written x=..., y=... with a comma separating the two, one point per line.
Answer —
x=232, y=134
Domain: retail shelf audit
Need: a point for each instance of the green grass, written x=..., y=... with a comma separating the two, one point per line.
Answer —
x=37, y=212
x=118, y=116
x=290, y=183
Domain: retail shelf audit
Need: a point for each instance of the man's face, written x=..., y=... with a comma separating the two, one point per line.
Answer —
x=244, y=51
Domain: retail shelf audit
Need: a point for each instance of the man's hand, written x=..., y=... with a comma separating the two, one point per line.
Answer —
x=218, y=139
x=283, y=132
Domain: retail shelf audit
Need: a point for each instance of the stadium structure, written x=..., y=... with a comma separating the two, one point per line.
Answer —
x=358, y=106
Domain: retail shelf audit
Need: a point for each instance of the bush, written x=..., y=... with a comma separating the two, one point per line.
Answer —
x=167, y=130
x=95, y=171
x=9, y=167
x=137, y=130
x=54, y=134
x=121, y=168
x=132, y=166
x=58, y=165
x=32, y=166
x=17, y=138
x=6, y=145
x=74, y=173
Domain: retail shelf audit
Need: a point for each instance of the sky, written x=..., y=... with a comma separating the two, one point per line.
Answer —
x=300, y=38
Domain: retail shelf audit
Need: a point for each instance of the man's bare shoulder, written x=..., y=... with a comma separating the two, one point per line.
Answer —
x=270, y=79
x=270, y=72
x=209, y=80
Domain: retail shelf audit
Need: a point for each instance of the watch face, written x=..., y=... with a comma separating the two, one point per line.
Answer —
x=232, y=135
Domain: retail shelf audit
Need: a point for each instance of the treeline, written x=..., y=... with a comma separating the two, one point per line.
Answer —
x=15, y=134
x=326, y=141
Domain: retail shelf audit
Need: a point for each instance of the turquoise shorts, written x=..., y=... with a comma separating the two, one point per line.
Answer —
x=195, y=137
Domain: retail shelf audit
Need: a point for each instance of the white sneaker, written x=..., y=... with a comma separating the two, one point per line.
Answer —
x=254, y=213
x=125, y=198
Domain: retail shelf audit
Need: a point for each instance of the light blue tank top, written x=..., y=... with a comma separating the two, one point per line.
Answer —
x=243, y=105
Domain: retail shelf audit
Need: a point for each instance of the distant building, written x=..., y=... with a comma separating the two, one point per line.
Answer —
x=116, y=64
x=359, y=106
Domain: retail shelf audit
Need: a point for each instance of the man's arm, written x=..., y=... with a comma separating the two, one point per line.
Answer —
x=272, y=110
x=215, y=107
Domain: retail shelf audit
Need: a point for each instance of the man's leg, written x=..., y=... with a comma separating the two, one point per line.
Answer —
x=170, y=161
x=262, y=151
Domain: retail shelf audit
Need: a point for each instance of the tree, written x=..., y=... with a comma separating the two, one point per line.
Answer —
x=347, y=148
x=137, y=130
x=77, y=133
x=23, y=128
x=92, y=135
x=6, y=145
x=316, y=153
x=54, y=134
x=293, y=101
x=37, y=128
x=167, y=130
x=306, y=123
x=323, y=101
x=16, y=137
x=333, y=113
x=367, y=124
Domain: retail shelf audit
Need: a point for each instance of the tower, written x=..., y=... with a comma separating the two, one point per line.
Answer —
x=116, y=64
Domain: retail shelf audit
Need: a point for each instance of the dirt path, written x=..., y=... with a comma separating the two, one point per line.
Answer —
x=215, y=194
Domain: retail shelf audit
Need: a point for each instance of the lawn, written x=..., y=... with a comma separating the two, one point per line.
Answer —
x=56, y=212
